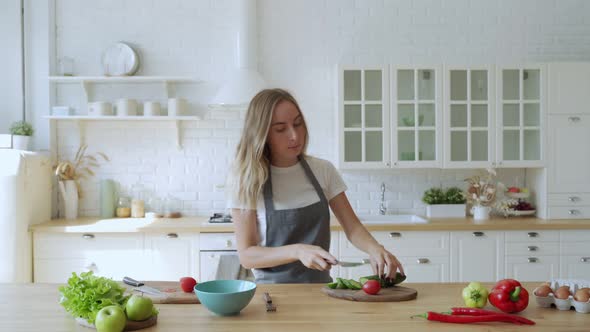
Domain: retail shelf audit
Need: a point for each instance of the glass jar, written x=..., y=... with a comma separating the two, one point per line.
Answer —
x=172, y=208
x=138, y=201
x=153, y=208
x=123, y=207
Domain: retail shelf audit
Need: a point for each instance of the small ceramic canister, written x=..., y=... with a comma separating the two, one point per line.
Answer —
x=100, y=108
x=177, y=106
x=151, y=108
x=126, y=107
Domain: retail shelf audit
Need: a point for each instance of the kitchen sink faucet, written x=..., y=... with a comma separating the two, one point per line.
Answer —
x=382, y=208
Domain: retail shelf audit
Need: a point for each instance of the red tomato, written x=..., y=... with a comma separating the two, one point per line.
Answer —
x=372, y=287
x=187, y=284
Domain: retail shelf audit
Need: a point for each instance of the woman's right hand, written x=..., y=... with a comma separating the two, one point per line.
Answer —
x=315, y=257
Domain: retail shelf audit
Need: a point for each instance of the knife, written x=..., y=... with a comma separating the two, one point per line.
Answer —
x=140, y=286
x=351, y=264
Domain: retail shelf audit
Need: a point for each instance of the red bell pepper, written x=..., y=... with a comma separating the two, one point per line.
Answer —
x=509, y=296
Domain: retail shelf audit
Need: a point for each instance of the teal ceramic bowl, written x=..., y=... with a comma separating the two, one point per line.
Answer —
x=225, y=297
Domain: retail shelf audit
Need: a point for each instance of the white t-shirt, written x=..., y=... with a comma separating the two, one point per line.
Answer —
x=292, y=189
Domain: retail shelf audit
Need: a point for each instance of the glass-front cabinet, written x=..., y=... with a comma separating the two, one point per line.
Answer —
x=520, y=116
x=416, y=138
x=363, y=116
x=468, y=129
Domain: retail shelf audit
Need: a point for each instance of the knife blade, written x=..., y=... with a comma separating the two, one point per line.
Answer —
x=350, y=264
x=141, y=287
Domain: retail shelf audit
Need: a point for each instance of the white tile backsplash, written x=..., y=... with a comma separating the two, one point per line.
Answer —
x=300, y=44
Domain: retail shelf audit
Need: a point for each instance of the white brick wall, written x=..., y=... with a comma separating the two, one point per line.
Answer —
x=300, y=44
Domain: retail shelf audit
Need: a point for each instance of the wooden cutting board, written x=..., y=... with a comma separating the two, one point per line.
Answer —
x=391, y=294
x=174, y=294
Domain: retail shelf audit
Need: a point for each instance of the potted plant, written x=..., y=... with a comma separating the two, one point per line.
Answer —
x=449, y=203
x=69, y=174
x=21, y=132
x=481, y=194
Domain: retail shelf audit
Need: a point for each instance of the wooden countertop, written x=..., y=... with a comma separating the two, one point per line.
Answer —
x=200, y=225
x=300, y=307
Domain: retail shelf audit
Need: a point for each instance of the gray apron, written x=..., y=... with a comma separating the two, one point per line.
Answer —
x=309, y=225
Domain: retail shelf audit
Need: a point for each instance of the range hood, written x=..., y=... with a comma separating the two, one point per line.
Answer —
x=244, y=81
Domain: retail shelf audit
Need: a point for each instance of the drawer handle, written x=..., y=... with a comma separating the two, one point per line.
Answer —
x=573, y=212
x=478, y=234
x=88, y=236
x=573, y=198
x=366, y=261
x=533, y=234
x=423, y=261
x=228, y=244
x=585, y=259
x=172, y=235
x=574, y=118
x=533, y=259
x=395, y=234
x=532, y=248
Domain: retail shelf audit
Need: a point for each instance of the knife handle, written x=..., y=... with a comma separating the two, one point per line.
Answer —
x=132, y=282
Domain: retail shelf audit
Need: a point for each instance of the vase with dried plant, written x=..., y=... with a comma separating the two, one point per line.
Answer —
x=481, y=194
x=69, y=173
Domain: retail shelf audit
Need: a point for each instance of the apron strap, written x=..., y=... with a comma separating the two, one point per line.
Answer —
x=313, y=180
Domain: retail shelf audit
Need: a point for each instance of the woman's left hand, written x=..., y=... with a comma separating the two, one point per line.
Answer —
x=384, y=263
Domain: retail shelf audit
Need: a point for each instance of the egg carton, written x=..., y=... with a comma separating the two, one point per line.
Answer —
x=564, y=304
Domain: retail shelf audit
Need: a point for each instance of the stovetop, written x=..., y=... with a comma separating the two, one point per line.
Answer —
x=220, y=218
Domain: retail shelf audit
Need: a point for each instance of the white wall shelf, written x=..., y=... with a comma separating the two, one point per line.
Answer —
x=82, y=119
x=123, y=79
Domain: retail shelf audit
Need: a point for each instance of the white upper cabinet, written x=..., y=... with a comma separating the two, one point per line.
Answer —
x=468, y=120
x=569, y=169
x=416, y=139
x=520, y=116
x=569, y=88
x=363, y=117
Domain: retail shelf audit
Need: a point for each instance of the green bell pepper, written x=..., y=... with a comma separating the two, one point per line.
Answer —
x=475, y=295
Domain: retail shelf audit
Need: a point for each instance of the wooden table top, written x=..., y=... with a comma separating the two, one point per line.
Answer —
x=300, y=307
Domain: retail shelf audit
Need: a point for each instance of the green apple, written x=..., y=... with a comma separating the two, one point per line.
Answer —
x=110, y=319
x=524, y=190
x=139, y=307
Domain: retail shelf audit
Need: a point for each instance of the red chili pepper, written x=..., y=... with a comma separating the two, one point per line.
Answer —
x=483, y=312
x=438, y=317
x=509, y=296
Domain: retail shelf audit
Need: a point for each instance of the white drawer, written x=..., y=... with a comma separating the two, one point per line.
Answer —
x=575, y=235
x=532, y=236
x=81, y=245
x=569, y=212
x=410, y=243
x=569, y=199
x=529, y=249
x=217, y=241
x=575, y=248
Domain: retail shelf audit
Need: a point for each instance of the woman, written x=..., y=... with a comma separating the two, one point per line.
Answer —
x=280, y=199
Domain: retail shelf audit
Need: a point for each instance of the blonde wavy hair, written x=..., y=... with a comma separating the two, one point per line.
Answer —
x=252, y=162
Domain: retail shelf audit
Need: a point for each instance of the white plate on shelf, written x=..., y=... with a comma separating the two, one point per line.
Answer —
x=120, y=60
x=523, y=213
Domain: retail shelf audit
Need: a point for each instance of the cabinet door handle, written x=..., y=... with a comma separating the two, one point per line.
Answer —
x=423, y=261
x=585, y=259
x=395, y=234
x=573, y=198
x=172, y=235
x=228, y=244
x=88, y=236
x=574, y=118
x=533, y=234
x=573, y=212
x=478, y=234
x=532, y=248
x=533, y=259
x=365, y=261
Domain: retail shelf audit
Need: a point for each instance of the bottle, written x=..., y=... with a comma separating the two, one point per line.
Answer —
x=123, y=207
x=107, y=198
